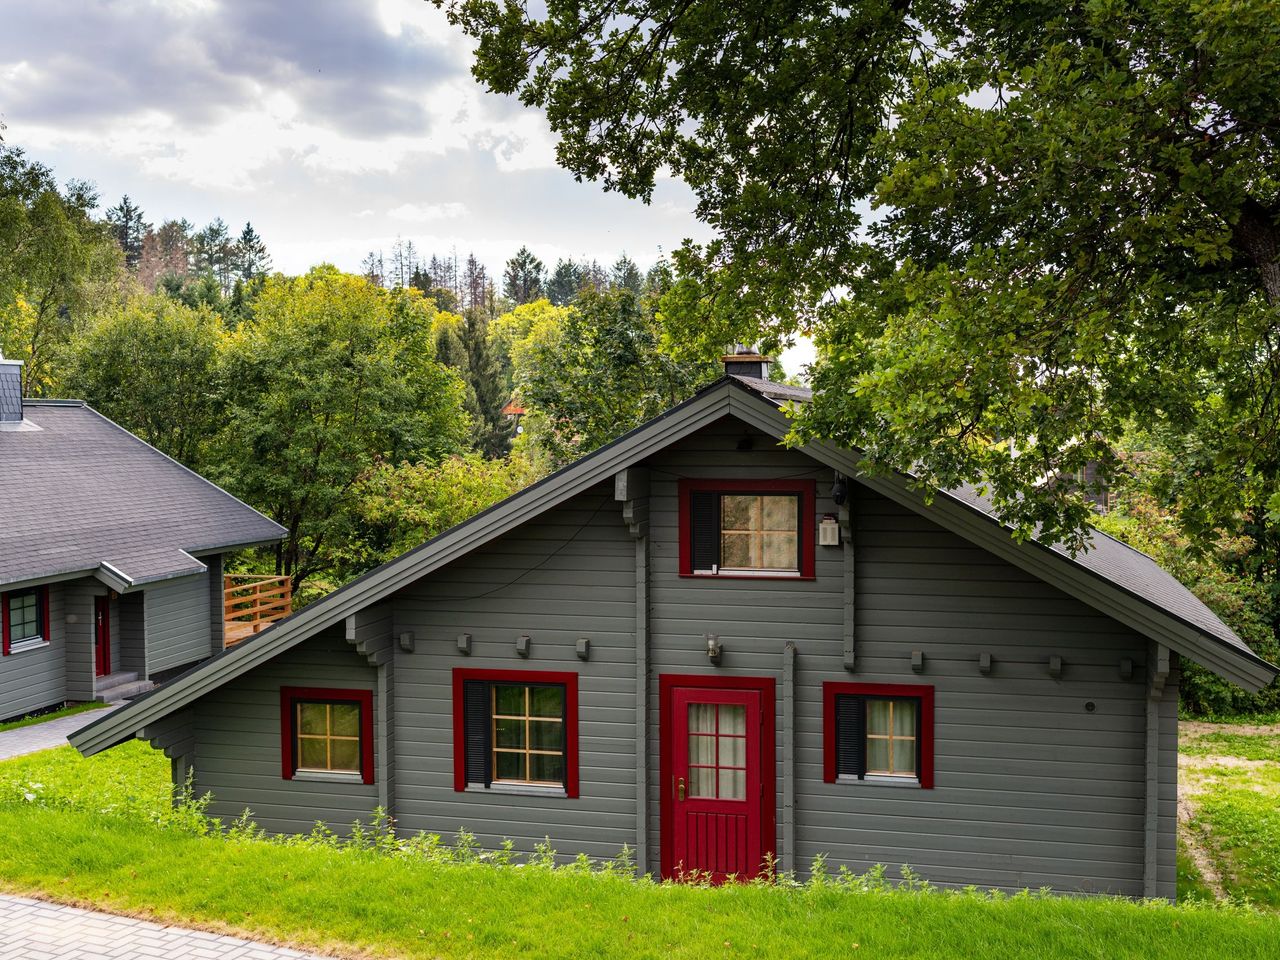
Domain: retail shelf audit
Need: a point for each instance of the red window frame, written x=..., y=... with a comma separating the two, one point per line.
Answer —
x=42, y=595
x=289, y=696
x=807, y=491
x=570, y=682
x=922, y=692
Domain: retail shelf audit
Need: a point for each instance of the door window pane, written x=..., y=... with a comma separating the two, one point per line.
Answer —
x=702, y=750
x=733, y=784
x=702, y=782
x=702, y=718
x=717, y=751
x=733, y=719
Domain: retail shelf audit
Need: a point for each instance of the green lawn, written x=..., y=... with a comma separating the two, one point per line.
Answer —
x=53, y=715
x=100, y=832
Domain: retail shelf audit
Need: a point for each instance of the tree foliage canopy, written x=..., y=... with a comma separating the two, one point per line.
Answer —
x=1014, y=228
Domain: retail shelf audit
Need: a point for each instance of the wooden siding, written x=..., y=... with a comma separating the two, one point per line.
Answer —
x=177, y=622
x=565, y=575
x=237, y=742
x=78, y=614
x=217, y=596
x=37, y=678
x=130, y=634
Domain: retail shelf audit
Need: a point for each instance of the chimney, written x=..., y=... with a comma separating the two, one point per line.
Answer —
x=10, y=390
x=745, y=362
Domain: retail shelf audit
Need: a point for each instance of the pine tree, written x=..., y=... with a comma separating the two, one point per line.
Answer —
x=595, y=277
x=524, y=277
x=372, y=267
x=129, y=229
x=626, y=275
x=250, y=254
x=474, y=282
x=166, y=252
x=564, y=283
x=213, y=254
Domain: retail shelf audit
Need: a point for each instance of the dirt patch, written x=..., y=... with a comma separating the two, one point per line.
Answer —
x=1191, y=783
x=1194, y=728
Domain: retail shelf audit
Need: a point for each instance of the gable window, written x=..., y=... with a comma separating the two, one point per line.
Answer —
x=747, y=528
x=515, y=730
x=24, y=619
x=878, y=732
x=326, y=734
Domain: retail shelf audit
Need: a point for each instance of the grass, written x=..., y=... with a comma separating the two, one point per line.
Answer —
x=1192, y=887
x=102, y=832
x=1246, y=746
x=67, y=711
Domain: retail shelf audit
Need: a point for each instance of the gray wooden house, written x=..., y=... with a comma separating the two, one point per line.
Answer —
x=110, y=556
x=718, y=650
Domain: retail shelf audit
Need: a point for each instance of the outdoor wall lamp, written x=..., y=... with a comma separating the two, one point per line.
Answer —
x=714, y=648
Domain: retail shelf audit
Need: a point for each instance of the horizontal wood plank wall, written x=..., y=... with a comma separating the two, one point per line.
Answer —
x=78, y=626
x=130, y=633
x=37, y=678
x=177, y=622
x=237, y=737
x=753, y=618
x=566, y=575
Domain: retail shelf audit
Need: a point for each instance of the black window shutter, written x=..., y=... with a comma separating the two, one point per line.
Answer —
x=476, y=713
x=704, y=535
x=850, y=742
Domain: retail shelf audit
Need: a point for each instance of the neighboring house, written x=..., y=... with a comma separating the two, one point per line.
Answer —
x=718, y=649
x=110, y=556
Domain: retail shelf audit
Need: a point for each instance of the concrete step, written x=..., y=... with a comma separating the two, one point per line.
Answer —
x=123, y=691
x=115, y=680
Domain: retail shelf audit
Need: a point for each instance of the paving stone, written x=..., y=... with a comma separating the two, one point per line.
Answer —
x=44, y=736
x=35, y=930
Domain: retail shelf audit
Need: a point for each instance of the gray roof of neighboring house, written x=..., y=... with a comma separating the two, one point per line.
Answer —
x=80, y=494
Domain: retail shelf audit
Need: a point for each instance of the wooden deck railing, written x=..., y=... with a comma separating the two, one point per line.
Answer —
x=252, y=602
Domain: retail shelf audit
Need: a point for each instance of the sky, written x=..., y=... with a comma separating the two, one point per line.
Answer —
x=333, y=127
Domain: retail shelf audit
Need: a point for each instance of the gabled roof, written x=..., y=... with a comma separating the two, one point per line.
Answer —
x=1122, y=590
x=81, y=495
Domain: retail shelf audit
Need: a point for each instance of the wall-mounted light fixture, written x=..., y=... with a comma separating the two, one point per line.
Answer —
x=522, y=645
x=839, y=490
x=464, y=644
x=715, y=649
x=406, y=641
x=584, y=648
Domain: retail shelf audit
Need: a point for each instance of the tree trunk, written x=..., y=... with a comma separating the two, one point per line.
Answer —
x=1257, y=235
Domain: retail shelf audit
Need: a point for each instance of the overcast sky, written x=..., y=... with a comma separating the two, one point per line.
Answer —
x=334, y=127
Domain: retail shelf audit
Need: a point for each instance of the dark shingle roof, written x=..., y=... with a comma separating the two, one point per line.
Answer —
x=80, y=492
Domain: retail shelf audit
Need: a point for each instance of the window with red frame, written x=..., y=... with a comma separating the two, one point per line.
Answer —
x=326, y=732
x=747, y=528
x=24, y=619
x=878, y=732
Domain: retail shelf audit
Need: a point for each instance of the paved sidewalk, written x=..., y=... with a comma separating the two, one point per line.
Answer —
x=35, y=930
x=45, y=736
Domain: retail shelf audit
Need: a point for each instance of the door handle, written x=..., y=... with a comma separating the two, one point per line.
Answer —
x=680, y=788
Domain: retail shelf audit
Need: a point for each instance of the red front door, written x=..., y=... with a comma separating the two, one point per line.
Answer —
x=101, y=636
x=718, y=770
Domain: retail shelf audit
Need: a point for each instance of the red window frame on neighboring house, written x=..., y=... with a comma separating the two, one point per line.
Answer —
x=289, y=698
x=922, y=693
x=42, y=605
x=568, y=680
x=806, y=490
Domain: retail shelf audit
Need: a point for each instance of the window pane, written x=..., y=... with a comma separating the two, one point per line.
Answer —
x=509, y=700
x=735, y=550
x=702, y=749
x=346, y=720
x=23, y=615
x=780, y=513
x=702, y=782
x=546, y=701
x=345, y=754
x=904, y=756
x=313, y=718
x=877, y=756
x=733, y=751
x=546, y=735
x=904, y=718
x=733, y=784
x=878, y=717
x=546, y=768
x=733, y=718
x=738, y=512
x=313, y=753
x=508, y=733
x=508, y=766
x=702, y=718
x=780, y=552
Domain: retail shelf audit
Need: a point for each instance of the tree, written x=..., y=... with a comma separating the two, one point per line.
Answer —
x=591, y=372
x=523, y=278
x=250, y=258
x=626, y=274
x=166, y=252
x=330, y=377
x=151, y=365
x=1077, y=214
x=214, y=253
x=57, y=265
x=129, y=229
x=565, y=282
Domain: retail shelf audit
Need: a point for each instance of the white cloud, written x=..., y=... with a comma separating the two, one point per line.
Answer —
x=427, y=212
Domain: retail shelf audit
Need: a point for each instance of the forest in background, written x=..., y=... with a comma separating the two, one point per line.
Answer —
x=366, y=412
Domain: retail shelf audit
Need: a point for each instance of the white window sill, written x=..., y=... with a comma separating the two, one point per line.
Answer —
x=749, y=572
x=517, y=789
x=26, y=646
x=329, y=776
x=881, y=781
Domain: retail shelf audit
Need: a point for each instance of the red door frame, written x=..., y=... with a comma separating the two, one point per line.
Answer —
x=766, y=687
x=101, y=636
